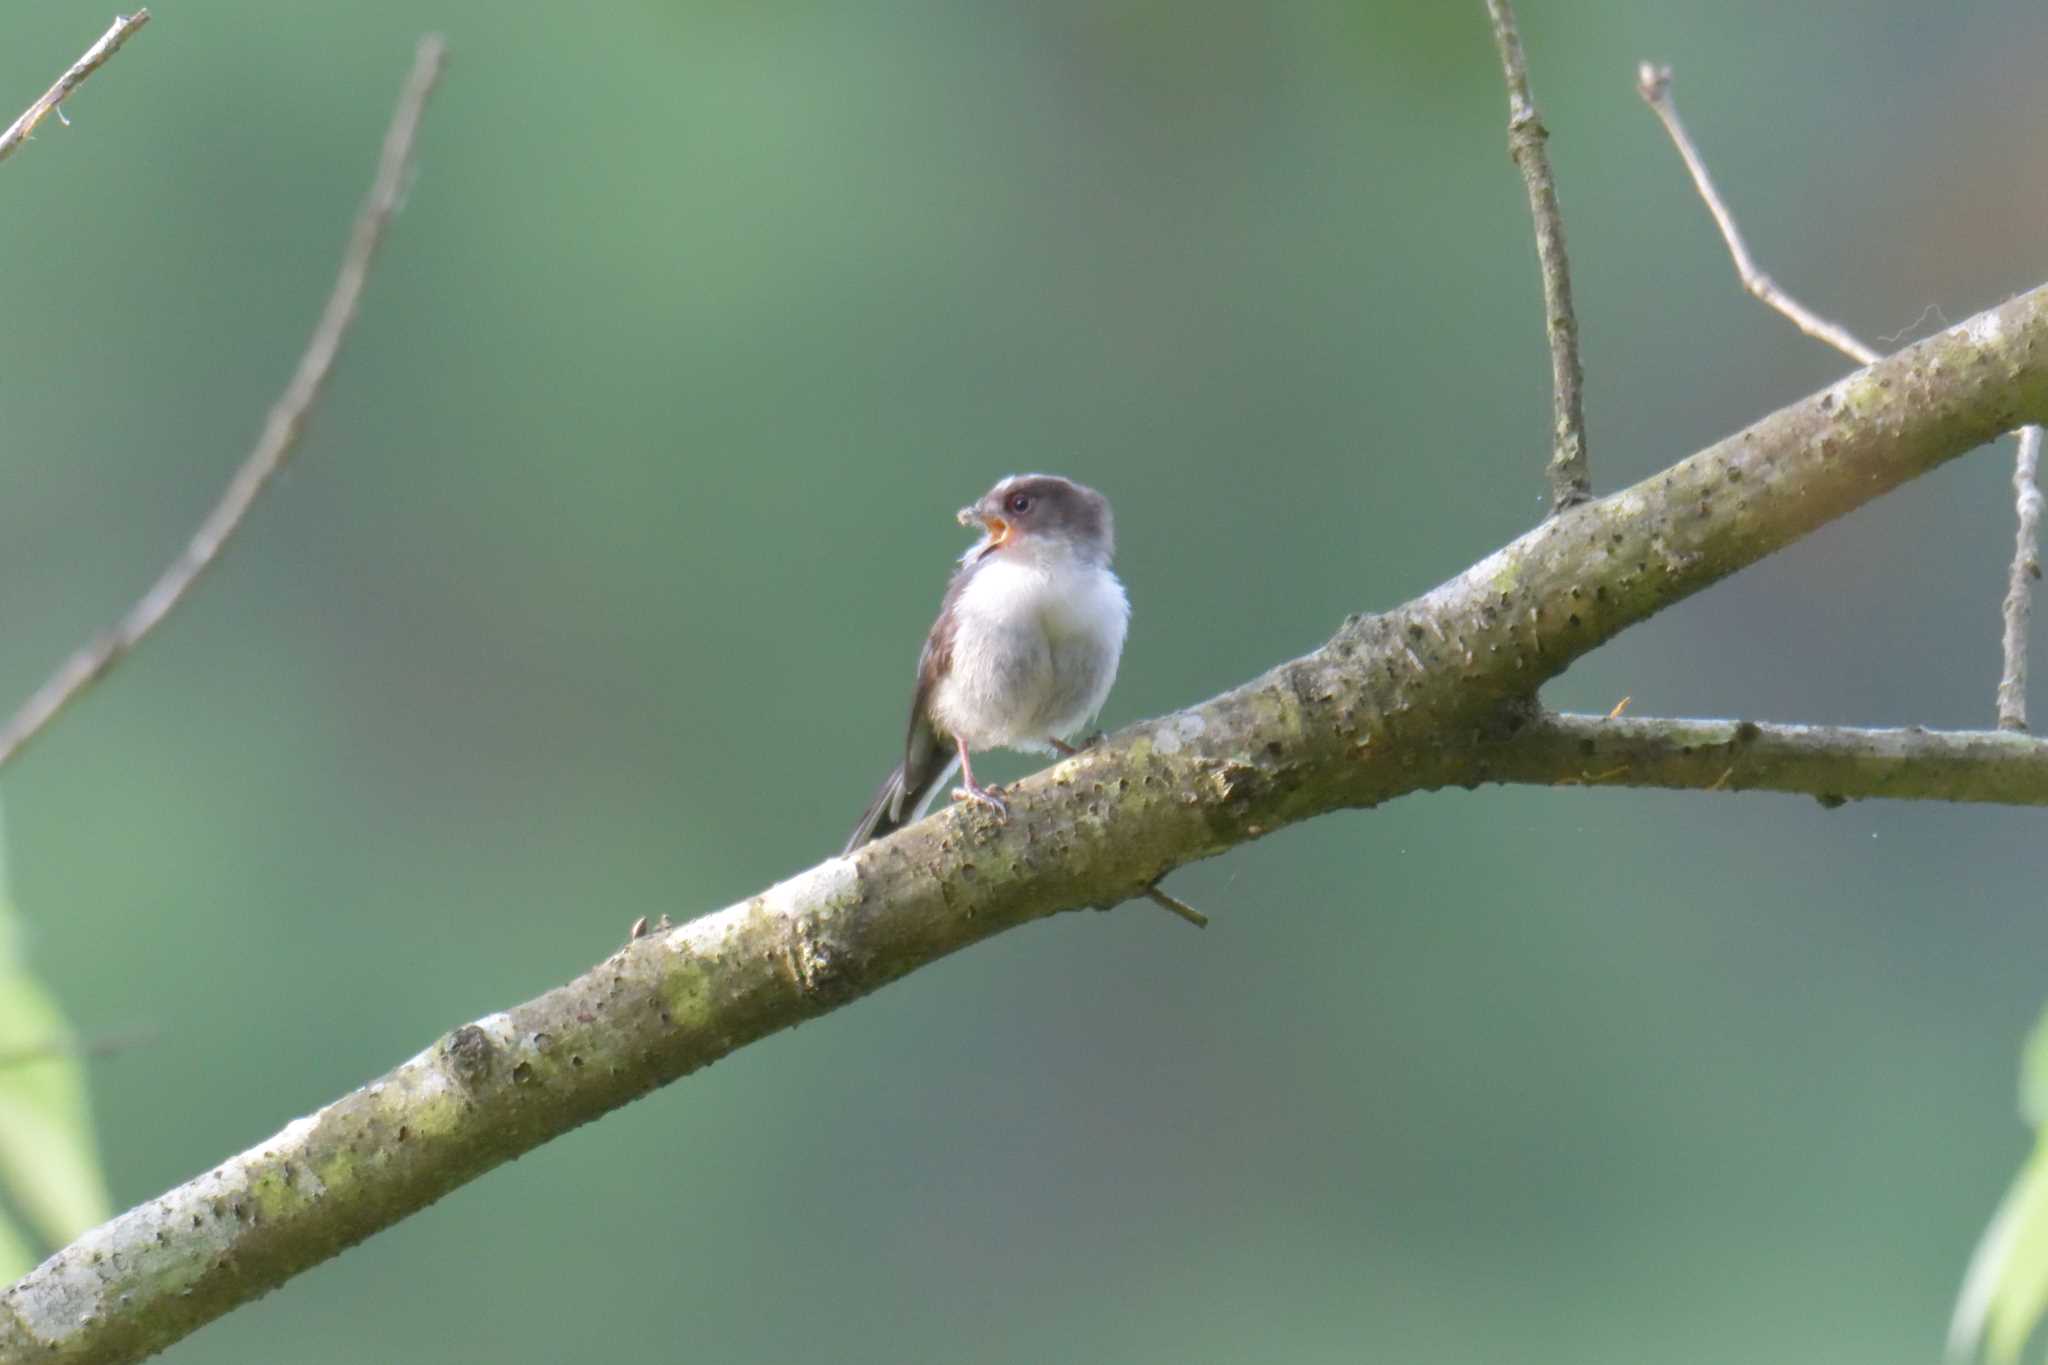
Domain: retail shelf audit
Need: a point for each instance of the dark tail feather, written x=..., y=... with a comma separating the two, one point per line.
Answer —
x=898, y=803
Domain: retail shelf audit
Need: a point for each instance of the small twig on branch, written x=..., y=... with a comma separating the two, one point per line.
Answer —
x=1153, y=893
x=281, y=429
x=1571, y=481
x=2026, y=567
x=1653, y=83
x=95, y=57
x=1178, y=906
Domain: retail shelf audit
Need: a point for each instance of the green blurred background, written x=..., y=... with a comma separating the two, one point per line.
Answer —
x=595, y=589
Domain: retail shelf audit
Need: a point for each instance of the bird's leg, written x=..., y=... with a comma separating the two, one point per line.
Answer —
x=970, y=790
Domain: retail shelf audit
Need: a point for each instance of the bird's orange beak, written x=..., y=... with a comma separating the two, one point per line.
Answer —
x=998, y=529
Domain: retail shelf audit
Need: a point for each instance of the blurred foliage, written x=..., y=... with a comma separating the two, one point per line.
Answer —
x=2006, y=1288
x=49, y=1163
x=597, y=585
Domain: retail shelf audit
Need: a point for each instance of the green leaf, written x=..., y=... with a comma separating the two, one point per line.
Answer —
x=2006, y=1286
x=49, y=1162
x=2005, y=1290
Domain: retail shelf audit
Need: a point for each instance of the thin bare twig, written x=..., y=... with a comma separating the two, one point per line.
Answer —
x=1178, y=906
x=1653, y=83
x=281, y=429
x=95, y=57
x=1571, y=481
x=2026, y=568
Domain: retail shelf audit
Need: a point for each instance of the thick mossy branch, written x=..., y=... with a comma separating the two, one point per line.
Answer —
x=1438, y=692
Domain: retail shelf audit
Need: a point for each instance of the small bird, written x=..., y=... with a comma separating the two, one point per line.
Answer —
x=1024, y=650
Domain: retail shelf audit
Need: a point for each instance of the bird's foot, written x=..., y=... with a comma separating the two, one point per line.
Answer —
x=990, y=796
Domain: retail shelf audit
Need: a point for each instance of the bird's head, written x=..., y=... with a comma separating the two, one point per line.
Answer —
x=1036, y=514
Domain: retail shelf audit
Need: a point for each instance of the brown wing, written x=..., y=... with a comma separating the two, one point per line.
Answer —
x=934, y=662
x=927, y=754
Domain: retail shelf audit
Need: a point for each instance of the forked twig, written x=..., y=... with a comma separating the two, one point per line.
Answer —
x=1653, y=83
x=281, y=430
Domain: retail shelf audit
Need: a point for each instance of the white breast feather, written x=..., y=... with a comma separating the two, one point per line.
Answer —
x=1035, y=651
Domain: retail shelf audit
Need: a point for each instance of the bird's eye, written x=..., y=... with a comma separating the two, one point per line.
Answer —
x=1019, y=504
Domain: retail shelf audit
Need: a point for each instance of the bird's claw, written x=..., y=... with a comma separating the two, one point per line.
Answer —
x=990, y=796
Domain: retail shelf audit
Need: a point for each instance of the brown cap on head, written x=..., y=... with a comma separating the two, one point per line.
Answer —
x=1029, y=506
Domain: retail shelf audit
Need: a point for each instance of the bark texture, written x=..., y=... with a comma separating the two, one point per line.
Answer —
x=1439, y=691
